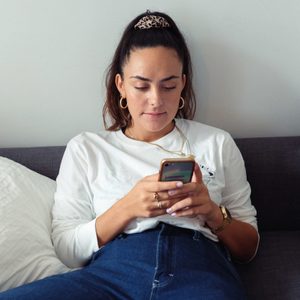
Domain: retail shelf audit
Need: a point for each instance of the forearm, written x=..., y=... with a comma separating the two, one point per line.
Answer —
x=112, y=222
x=241, y=239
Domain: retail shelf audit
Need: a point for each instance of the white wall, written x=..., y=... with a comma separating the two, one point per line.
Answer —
x=53, y=54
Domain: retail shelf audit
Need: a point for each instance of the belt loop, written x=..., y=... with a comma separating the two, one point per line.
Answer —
x=196, y=235
x=122, y=236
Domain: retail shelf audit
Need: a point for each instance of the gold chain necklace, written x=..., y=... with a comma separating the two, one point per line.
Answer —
x=177, y=152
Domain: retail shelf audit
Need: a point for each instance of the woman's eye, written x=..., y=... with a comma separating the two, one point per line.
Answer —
x=169, y=87
x=141, y=87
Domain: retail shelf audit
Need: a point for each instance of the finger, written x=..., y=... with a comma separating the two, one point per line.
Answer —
x=197, y=175
x=180, y=205
x=160, y=207
x=184, y=192
x=153, y=177
x=158, y=202
x=162, y=186
x=186, y=212
x=171, y=202
x=165, y=202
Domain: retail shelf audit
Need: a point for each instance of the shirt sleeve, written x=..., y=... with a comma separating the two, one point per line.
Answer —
x=236, y=193
x=74, y=233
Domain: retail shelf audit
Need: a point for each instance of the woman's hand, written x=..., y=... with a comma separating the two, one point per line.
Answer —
x=240, y=238
x=150, y=197
x=195, y=201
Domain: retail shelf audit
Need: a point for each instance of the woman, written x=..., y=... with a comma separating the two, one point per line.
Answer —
x=137, y=237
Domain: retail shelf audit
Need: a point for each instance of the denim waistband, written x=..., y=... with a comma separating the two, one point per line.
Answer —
x=167, y=229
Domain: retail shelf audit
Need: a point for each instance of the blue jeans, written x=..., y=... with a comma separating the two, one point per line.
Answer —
x=166, y=262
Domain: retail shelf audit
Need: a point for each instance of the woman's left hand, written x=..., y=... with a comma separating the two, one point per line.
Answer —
x=240, y=238
x=196, y=201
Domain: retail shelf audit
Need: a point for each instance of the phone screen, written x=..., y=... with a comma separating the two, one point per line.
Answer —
x=177, y=170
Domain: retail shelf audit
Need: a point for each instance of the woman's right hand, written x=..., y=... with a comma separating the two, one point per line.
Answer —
x=150, y=198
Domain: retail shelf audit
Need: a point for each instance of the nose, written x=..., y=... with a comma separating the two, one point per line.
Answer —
x=155, y=98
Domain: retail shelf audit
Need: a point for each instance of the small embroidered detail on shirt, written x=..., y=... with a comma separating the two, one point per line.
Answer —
x=207, y=173
x=207, y=170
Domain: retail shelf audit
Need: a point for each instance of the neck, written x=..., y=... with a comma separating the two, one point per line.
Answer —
x=150, y=136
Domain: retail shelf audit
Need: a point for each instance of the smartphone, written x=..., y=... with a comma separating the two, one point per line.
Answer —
x=177, y=169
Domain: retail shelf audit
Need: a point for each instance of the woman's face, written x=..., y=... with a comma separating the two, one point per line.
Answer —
x=152, y=83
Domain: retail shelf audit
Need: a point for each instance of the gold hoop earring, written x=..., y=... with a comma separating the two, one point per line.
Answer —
x=122, y=104
x=182, y=104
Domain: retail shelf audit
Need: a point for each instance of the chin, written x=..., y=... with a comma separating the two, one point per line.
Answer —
x=160, y=127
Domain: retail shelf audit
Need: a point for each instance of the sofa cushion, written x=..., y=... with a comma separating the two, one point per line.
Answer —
x=26, y=200
x=275, y=271
x=44, y=160
x=273, y=168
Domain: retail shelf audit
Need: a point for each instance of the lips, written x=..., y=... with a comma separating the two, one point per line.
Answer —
x=154, y=114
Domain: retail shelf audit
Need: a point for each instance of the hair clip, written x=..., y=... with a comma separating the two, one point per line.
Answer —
x=151, y=21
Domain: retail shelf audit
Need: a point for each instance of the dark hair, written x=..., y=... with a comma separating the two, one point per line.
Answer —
x=133, y=38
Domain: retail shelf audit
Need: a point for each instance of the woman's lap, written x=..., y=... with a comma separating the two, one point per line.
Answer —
x=162, y=263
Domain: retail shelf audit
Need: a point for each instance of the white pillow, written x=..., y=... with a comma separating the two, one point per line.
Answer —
x=26, y=250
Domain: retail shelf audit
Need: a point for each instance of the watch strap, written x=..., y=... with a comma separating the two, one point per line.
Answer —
x=226, y=219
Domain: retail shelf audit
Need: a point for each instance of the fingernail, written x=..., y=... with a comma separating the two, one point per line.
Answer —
x=173, y=214
x=169, y=210
x=171, y=192
x=179, y=184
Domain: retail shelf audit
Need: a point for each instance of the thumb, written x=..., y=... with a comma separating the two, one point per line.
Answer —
x=197, y=176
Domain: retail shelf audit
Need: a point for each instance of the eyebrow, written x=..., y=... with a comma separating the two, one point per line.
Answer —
x=148, y=80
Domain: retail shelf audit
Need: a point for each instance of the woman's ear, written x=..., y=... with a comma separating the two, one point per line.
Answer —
x=183, y=80
x=120, y=85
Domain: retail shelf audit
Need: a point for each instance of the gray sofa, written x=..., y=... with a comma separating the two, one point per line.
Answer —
x=273, y=168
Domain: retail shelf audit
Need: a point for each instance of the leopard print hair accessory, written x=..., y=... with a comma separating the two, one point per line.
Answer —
x=151, y=21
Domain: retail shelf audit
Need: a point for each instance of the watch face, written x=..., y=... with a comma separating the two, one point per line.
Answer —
x=225, y=212
x=228, y=213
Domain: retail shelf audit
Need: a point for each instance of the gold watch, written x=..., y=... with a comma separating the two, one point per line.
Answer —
x=226, y=219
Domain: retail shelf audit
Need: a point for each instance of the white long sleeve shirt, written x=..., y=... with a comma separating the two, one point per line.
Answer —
x=99, y=169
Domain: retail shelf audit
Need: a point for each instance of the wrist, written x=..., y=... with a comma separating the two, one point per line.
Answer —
x=106, y=229
x=223, y=219
x=215, y=219
x=124, y=210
